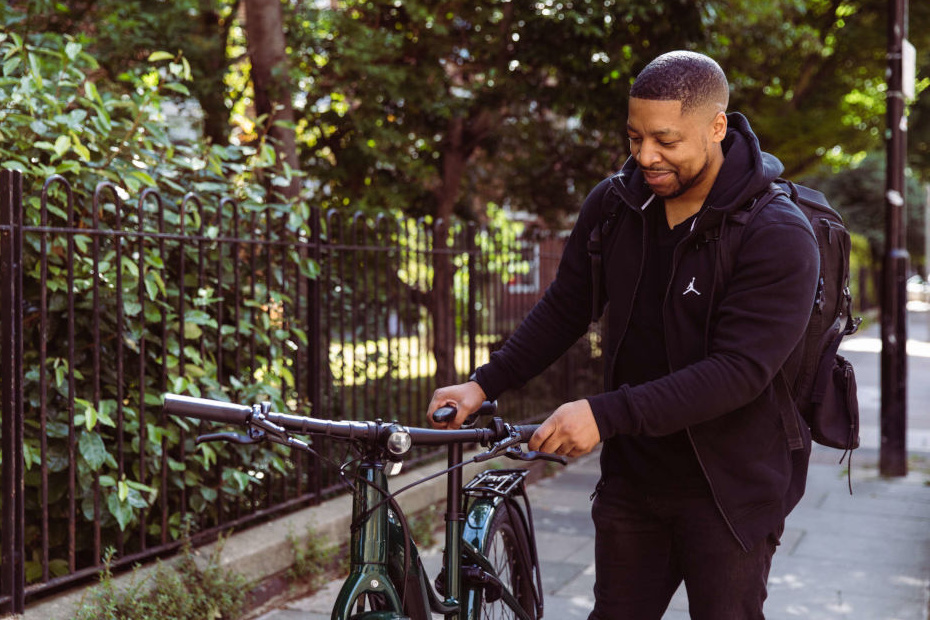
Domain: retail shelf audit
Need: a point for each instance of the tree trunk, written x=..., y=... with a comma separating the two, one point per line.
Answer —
x=267, y=51
x=206, y=52
x=454, y=160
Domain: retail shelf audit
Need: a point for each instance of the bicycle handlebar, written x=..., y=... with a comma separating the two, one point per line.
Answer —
x=231, y=413
x=205, y=409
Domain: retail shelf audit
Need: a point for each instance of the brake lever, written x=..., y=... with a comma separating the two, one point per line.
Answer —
x=231, y=438
x=501, y=447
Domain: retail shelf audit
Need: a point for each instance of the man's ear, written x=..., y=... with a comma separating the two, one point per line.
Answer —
x=719, y=127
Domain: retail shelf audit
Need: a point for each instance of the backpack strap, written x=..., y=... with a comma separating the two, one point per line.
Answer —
x=610, y=210
x=731, y=238
x=743, y=217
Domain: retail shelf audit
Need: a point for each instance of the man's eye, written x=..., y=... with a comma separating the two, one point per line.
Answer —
x=668, y=144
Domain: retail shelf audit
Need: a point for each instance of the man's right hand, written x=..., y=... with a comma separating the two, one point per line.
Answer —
x=465, y=397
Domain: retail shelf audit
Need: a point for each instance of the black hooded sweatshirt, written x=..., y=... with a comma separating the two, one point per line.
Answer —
x=725, y=347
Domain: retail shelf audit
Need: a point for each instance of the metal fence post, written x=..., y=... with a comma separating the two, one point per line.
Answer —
x=472, y=252
x=317, y=341
x=13, y=573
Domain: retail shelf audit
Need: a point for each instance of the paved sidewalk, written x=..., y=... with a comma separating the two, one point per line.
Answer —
x=865, y=556
x=859, y=557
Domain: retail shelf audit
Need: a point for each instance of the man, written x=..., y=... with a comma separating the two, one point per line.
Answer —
x=697, y=471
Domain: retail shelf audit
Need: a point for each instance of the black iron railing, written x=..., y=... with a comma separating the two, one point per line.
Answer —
x=108, y=301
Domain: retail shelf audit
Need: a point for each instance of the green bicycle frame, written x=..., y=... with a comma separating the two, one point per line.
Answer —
x=368, y=549
x=379, y=539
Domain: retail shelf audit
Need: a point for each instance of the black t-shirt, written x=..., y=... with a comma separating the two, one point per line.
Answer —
x=666, y=463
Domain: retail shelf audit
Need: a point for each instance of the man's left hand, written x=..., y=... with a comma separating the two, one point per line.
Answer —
x=569, y=431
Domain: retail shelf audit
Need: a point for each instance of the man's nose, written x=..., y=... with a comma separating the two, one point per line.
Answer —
x=648, y=154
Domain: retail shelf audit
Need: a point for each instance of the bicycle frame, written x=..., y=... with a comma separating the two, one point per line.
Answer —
x=368, y=548
x=380, y=536
x=485, y=499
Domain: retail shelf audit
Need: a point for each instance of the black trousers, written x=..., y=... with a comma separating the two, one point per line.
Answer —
x=646, y=545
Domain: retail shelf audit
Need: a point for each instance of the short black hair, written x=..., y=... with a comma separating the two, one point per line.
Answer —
x=693, y=79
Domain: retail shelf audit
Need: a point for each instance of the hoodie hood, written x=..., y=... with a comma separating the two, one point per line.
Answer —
x=747, y=170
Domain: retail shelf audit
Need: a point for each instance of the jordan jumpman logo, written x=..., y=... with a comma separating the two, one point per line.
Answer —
x=691, y=288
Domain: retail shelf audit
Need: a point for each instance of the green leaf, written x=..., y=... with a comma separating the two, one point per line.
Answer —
x=157, y=56
x=92, y=450
x=72, y=50
x=62, y=144
x=88, y=416
x=34, y=70
x=178, y=88
x=144, y=177
x=103, y=413
x=192, y=331
x=59, y=567
x=82, y=151
x=90, y=89
x=200, y=318
x=38, y=127
x=130, y=266
x=131, y=308
x=122, y=511
x=138, y=486
x=10, y=65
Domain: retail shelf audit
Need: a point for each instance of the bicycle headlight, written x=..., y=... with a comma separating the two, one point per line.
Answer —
x=399, y=443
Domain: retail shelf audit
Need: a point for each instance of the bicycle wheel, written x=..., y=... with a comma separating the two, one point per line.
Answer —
x=507, y=550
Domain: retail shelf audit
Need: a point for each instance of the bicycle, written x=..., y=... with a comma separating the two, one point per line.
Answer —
x=490, y=567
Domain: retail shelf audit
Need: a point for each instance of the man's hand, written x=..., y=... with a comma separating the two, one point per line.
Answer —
x=466, y=397
x=569, y=431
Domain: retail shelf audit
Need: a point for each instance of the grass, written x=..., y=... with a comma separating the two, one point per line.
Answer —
x=183, y=591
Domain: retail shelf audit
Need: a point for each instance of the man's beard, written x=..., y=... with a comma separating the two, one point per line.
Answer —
x=686, y=185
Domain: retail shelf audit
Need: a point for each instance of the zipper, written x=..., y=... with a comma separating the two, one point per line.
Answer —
x=697, y=454
x=613, y=364
x=639, y=278
x=713, y=491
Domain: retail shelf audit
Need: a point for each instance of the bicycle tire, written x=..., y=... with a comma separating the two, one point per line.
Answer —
x=507, y=550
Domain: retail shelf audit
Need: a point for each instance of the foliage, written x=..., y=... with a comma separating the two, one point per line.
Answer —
x=862, y=273
x=314, y=556
x=423, y=527
x=184, y=591
x=811, y=75
x=399, y=96
x=530, y=96
x=121, y=35
x=858, y=193
x=402, y=108
x=58, y=116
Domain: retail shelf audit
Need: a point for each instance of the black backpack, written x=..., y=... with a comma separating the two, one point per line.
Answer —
x=824, y=388
x=825, y=384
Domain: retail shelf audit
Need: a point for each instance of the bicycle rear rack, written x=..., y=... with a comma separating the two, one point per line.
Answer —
x=495, y=482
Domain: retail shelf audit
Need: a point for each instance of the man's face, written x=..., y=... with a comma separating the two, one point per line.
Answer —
x=674, y=150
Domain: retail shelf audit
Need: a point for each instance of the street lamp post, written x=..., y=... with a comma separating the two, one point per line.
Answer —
x=893, y=451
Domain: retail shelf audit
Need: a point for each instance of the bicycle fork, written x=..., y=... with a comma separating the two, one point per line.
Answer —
x=368, y=548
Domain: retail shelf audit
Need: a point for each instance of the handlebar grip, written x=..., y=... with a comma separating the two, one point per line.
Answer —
x=204, y=409
x=445, y=414
x=526, y=431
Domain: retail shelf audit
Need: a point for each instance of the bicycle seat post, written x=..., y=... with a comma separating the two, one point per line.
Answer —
x=455, y=517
